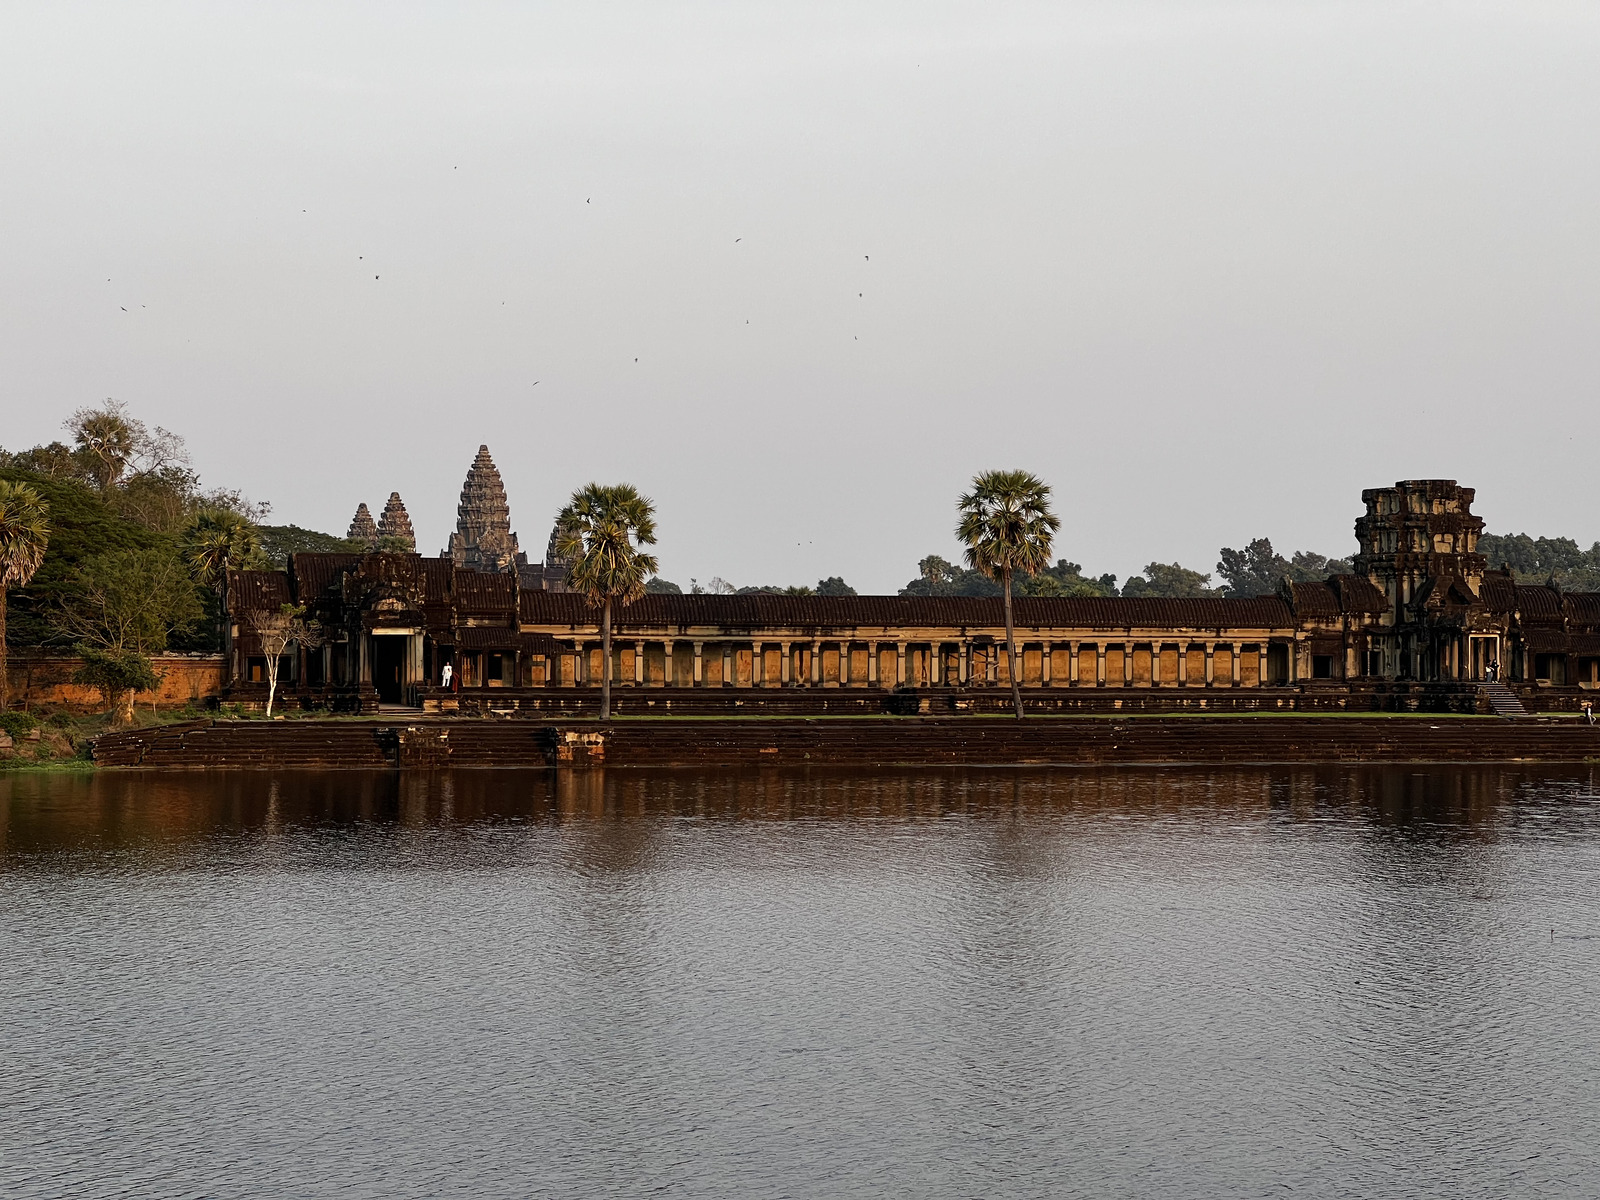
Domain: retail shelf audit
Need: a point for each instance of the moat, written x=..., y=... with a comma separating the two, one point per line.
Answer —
x=787, y=982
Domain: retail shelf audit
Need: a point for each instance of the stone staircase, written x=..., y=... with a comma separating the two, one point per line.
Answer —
x=1502, y=700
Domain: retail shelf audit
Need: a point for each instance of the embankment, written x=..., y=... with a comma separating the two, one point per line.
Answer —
x=428, y=744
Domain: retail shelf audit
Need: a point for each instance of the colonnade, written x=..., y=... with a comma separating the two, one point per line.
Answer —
x=935, y=662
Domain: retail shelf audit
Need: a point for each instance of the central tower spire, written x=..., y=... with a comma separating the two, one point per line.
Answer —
x=483, y=539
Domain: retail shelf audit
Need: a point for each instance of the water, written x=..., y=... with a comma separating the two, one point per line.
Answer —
x=1265, y=982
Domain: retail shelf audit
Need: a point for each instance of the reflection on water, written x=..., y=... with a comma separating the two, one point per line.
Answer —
x=1364, y=981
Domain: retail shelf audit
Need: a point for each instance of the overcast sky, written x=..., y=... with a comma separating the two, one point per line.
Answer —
x=800, y=270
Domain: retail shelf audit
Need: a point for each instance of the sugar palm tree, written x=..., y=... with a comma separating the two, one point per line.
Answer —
x=219, y=541
x=598, y=535
x=1008, y=527
x=24, y=534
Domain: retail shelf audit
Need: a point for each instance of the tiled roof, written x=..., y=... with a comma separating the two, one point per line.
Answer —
x=1314, y=600
x=1583, y=607
x=754, y=611
x=1357, y=593
x=258, y=591
x=1538, y=603
x=314, y=573
x=483, y=592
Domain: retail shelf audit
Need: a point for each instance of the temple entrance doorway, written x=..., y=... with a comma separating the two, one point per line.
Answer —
x=1481, y=652
x=389, y=669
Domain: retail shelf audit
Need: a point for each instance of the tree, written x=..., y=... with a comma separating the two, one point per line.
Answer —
x=1067, y=579
x=833, y=585
x=1258, y=569
x=280, y=541
x=657, y=586
x=1008, y=528
x=221, y=540
x=1170, y=580
x=218, y=541
x=938, y=577
x=599, y=534
x=116, y=675
x=114, y=447
x=129, y=600
x=278, y=631
x=24, y=534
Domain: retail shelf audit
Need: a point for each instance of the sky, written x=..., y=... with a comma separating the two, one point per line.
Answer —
x=799, y=271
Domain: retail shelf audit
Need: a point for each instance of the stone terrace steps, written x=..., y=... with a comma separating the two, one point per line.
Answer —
x=849, y=742
x=1502, y=700
x=1099, y=741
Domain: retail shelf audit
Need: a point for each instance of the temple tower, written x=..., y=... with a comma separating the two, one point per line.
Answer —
x=395, y=522
x=483, y=539
x=363, y=528
x=1419, y=544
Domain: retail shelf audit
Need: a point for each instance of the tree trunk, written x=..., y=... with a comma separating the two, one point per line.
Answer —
x=1011, y=648
x=605, y=665
x=272, y=682
x=5, y=660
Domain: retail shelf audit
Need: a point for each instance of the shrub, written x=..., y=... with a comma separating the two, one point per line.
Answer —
x=60, y=720
x=17, y=723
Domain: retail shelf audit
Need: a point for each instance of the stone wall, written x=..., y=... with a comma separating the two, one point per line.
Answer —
x=44, y=681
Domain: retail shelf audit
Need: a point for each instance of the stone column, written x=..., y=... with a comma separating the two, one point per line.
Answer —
x=900, y=665
x=727, y=665
x=1211, y=649
x=638, y=663
x=844, y=663
x=816, y=664
x=872, y=664
x=1072, y=665
x=1261, y=663
x=1183, y=664
x=1127, y=664
x=1044, y=664
x=1235, y=674
x=699, y=670
x=784, y=664
x=1100, y=664
x=668, y=675
x=964, y=665
x=757, y=665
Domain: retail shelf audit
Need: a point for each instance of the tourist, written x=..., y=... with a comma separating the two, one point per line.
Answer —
x=444, y=677
x=1494, y=670
x=1588, y=711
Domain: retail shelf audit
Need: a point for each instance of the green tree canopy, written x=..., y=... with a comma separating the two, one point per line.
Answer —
x=1170, y=580
x=129, y=600
x=24, y=537
x=1258, y=569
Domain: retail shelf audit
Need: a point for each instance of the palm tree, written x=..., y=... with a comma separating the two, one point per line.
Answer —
x=24, y=534
x=598, y=534
x=219, y=541
x=1008, y=527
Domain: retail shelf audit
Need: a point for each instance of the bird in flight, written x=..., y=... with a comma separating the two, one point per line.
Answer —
x=535, y=383
x=124, y=310
x=736, y=240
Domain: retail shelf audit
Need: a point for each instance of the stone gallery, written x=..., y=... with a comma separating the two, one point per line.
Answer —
x=1422, y=617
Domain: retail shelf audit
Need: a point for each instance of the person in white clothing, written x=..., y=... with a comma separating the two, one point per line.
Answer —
x=444, y=676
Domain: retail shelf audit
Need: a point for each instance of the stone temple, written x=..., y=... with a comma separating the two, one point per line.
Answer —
x=1423, y=621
